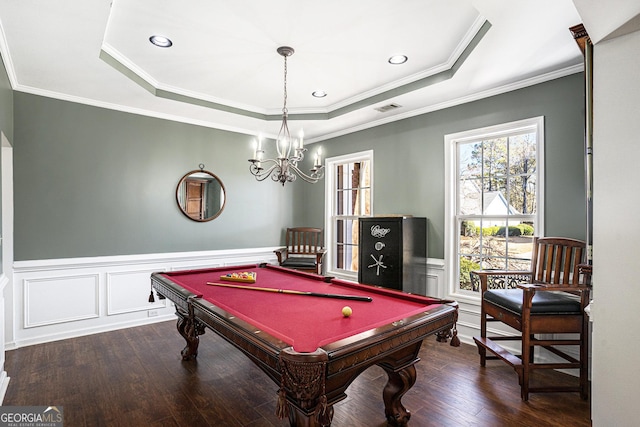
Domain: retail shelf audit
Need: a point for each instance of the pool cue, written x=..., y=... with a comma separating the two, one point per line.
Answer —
x=292, y=292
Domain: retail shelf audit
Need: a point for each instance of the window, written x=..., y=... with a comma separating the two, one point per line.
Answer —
x=493, y=199
x=348, y=195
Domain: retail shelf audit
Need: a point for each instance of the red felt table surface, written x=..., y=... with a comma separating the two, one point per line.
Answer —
x=305, y=322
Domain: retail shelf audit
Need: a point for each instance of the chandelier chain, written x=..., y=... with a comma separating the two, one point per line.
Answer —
x=284, y=167
x=284, y=108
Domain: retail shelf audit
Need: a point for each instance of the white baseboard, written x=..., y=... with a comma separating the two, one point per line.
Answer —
x=4, y=385
x=80, y=332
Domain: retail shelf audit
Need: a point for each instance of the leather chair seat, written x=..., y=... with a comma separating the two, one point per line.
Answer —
x=542, y=303
x=299, y=262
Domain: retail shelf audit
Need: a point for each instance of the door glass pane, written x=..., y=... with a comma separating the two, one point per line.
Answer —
x=470, y=197
x=494, y=163
x=340, y=228
x=470, y=164
x=522, y=194
x=364, y=203
x=469, y=237
x=467, y=265
x=346, y=232
x=343, y=202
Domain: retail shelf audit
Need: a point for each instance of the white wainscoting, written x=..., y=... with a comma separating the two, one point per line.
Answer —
x=468, y=310
x=431, y=284
x=66, y=298
x=43, y=296
x=4, y=378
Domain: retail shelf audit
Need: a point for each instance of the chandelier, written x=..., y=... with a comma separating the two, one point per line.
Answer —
x=284, y=168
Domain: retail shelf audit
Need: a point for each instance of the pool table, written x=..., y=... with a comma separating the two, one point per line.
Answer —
x=303, y=342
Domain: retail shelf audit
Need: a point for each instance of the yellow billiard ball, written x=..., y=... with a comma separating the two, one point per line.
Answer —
x=346, y=311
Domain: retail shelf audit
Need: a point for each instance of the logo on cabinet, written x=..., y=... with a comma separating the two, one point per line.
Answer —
x=379, y=232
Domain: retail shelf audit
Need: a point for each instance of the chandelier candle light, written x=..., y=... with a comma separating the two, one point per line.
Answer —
x=284, y=168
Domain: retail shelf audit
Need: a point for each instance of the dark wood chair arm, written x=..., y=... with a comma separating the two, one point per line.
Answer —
x=320, y=255
x=281, y=254
x=585, y=268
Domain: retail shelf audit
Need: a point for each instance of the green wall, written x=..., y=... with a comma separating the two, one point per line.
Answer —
x=91, y=181
x=6, y=103
x=409, y=157
x=6, y=123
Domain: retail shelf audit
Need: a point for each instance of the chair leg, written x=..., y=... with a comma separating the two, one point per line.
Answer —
x=483, y=333
x=527, y=352
x=525, y=371
x=532, y=350
x=527, y=360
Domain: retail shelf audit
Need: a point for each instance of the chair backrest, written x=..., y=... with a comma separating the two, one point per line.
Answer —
x=556, y=260
x=304, y=240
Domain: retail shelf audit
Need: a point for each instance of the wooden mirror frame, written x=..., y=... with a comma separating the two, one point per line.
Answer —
x=200, y=208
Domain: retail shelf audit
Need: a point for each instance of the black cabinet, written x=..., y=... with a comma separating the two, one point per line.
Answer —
x=392, y=251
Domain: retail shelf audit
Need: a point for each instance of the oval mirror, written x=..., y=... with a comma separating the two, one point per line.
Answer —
x=200, y=195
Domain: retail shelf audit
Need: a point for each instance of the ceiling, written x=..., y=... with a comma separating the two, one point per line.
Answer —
x=223, y=70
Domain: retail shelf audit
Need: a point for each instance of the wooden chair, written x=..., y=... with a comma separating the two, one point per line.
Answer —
x=547, y=300
x=304, y=250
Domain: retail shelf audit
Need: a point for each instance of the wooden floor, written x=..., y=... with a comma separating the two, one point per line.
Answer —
x=134, y=377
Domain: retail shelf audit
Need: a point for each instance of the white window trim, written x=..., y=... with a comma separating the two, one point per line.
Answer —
x=329, y=204
x=450, y=171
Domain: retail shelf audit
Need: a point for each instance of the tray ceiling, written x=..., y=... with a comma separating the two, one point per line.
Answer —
x=223, y=70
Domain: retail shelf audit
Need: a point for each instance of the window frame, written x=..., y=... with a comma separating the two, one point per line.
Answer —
x=452, y=237
x=330, y=207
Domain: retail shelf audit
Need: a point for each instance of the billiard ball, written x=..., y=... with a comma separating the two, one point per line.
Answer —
x=346, y=311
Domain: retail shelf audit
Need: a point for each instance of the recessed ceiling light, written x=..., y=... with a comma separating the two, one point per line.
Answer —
x=161, y=41
x=319, y=93
x=398, y=59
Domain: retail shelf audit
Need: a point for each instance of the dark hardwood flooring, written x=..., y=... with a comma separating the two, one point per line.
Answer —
x=134, y=377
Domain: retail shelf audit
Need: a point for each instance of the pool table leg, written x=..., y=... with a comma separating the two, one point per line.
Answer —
x=401, y=371
x=298, y=418
x=302, y=397
x=189, y=327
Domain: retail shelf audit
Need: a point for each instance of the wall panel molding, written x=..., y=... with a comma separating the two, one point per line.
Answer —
x=128, y=291
x=57, y=299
